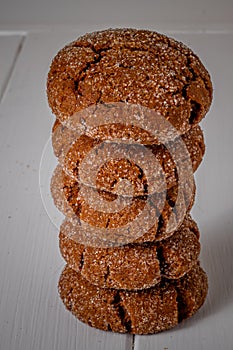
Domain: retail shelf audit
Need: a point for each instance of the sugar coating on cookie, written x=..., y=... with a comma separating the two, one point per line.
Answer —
x=133, y=66
x=137, y=312
x=137, y=219
x=72, y=151
x=127, y=104
x=132, y=266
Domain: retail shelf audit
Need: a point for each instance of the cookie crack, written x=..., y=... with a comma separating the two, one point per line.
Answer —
x=72, y=198
x=161, y=259
x=107, y=223
x=194, y=75
x=124, y=316
x=141, y=173
x=195, y=110
x=107, y=273
x=181, y=305
x=195, y=106
x=83, y=72
x=81, y=260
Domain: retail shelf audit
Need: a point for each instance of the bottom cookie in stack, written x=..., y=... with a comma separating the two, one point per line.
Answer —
x=144, y=311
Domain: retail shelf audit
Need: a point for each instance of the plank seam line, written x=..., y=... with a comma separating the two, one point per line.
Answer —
x=11, y=70
x=133, y=342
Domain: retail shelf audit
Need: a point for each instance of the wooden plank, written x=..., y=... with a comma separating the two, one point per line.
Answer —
x=9, y=47
x=31, y=314
x=211, y=328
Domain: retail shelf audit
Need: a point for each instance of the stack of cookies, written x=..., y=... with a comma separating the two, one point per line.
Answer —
x=127, y=105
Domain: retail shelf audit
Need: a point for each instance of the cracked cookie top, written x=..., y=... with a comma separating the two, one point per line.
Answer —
x=132, y=266
x=133, y=66
x=72, y=150
x=146, y=311
x=101, y=219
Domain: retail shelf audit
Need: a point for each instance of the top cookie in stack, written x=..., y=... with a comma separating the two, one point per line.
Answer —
x=134, y=66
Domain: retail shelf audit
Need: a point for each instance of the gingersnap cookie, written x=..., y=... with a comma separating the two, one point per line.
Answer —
x=132, y=266
x=154, y=160
x=119, y=220
x=137, y=67
x=137, y=312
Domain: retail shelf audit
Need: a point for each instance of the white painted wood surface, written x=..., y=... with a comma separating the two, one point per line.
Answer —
x=211, y=328
x=112, y=13
x=10, y=47
x=32, y=316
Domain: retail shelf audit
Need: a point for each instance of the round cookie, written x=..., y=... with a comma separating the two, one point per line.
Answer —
x=139, y=67
x=132, y=266
x=119, y=220
x=72, y=151
x=137, y=312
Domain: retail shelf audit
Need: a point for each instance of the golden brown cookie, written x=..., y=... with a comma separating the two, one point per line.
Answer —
x=72, y=152
x=132, y=266
x=120, y=220
x=139, y=67
x=137, y=312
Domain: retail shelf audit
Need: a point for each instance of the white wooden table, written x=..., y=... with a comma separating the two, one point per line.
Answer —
x=32, y=317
